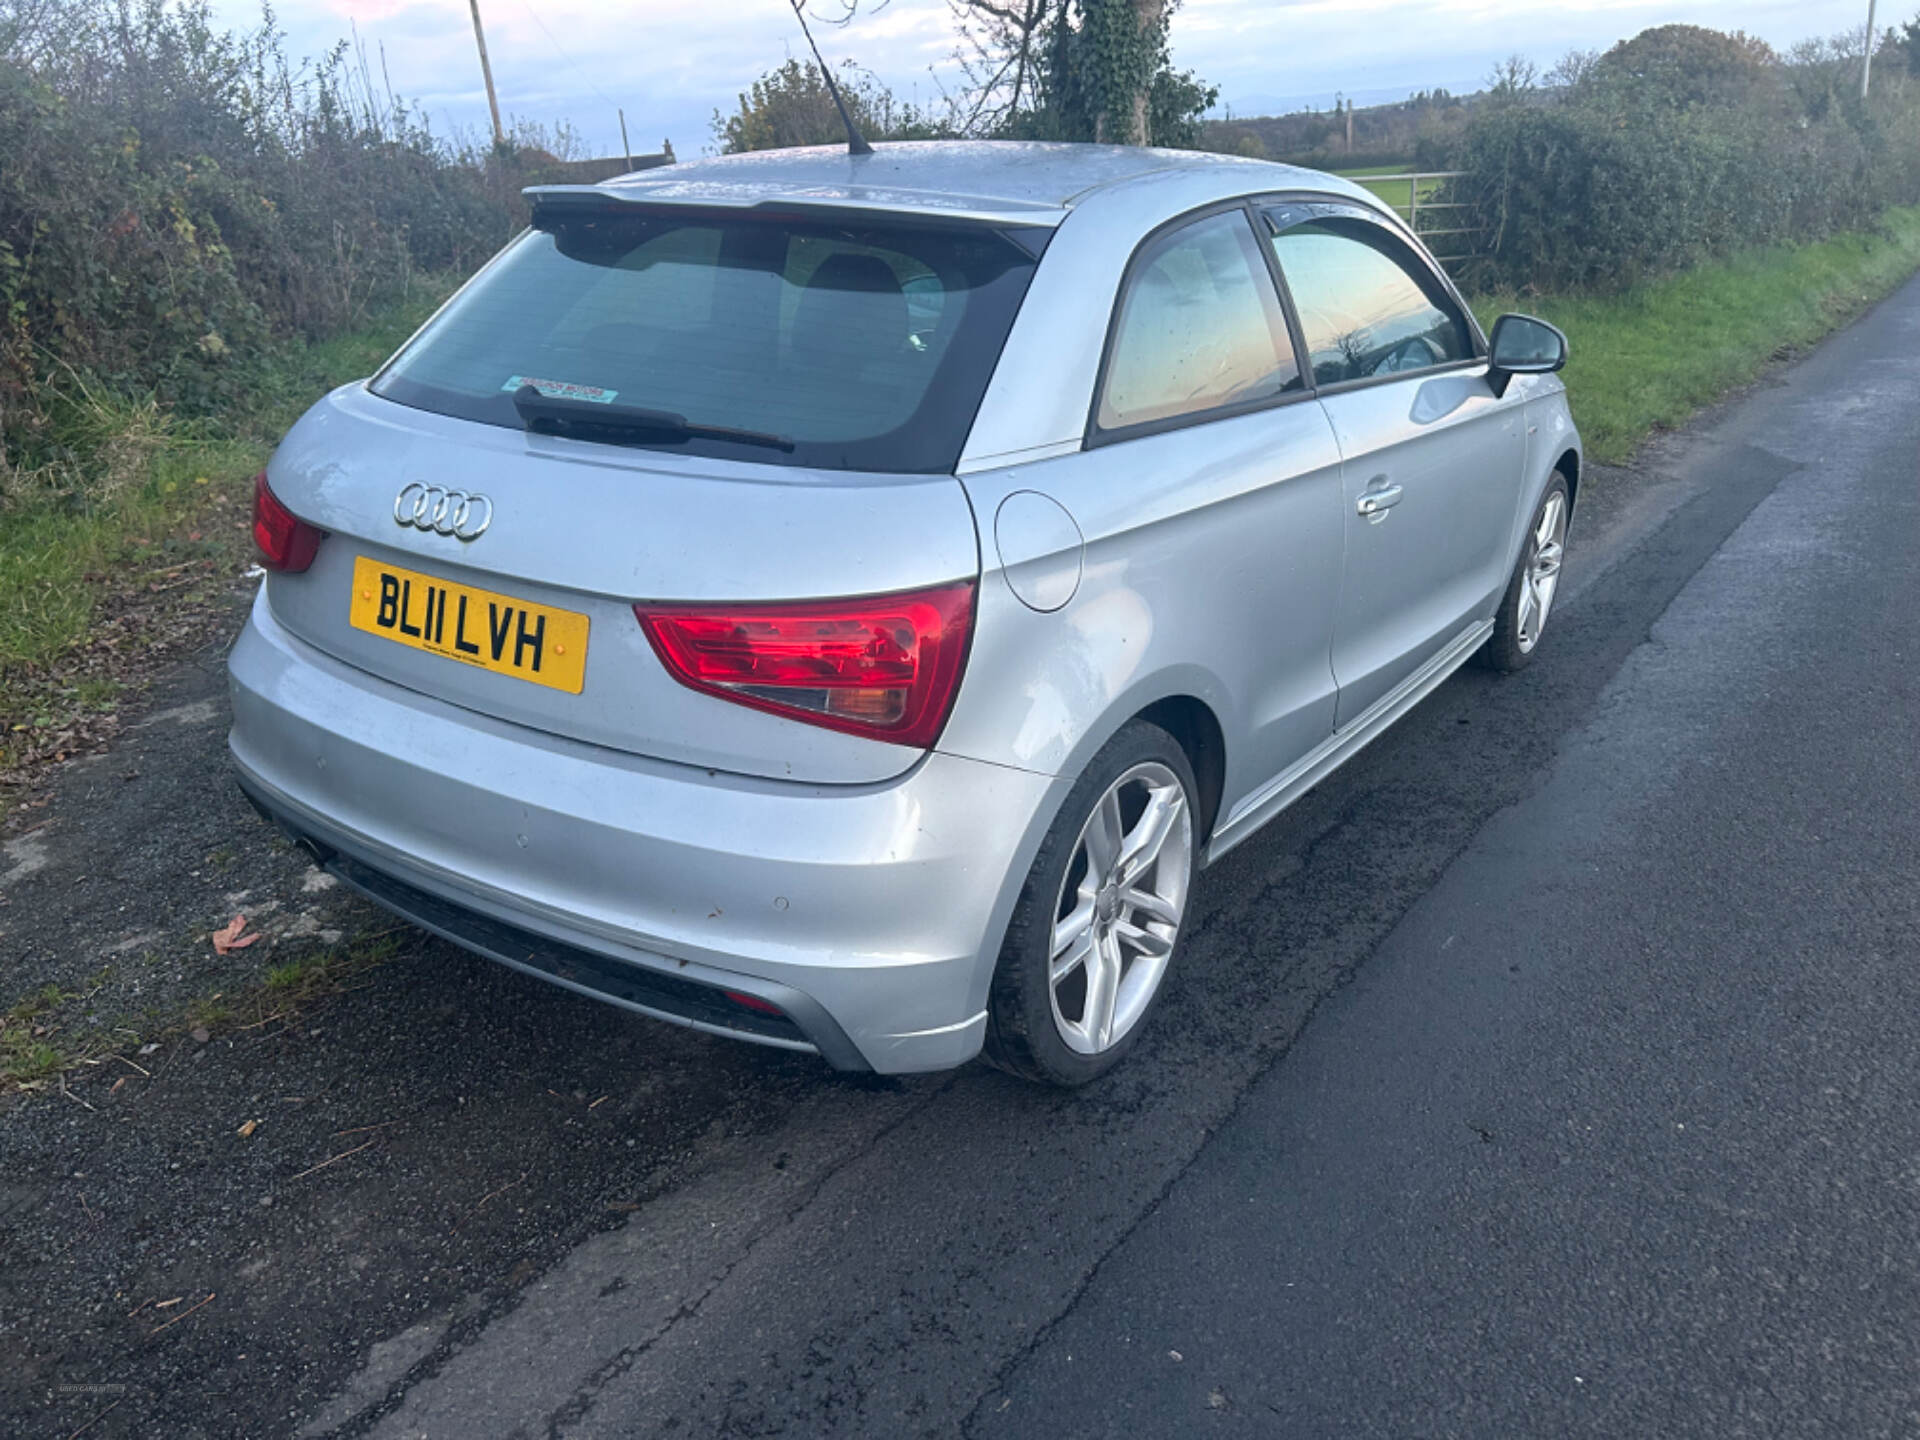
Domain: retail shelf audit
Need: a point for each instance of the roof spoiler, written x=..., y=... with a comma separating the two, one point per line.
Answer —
x=553, y=202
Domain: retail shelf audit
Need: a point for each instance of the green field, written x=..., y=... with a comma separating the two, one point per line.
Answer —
x=1397, y=193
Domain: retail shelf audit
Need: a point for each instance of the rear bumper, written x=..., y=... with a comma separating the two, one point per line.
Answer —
x=869, y=915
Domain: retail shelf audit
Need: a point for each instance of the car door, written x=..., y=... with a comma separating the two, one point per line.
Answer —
x=1203, y=381
x=1208, y=500
x=1431, y=459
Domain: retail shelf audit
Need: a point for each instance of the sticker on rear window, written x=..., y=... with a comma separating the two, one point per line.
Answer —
x=561, y=390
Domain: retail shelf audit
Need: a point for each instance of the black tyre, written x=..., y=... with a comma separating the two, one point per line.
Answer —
x=1524, y=609
x=1099, y=920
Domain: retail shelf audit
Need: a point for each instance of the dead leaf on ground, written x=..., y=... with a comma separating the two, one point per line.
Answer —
x=247, y=1129
x=232, y=936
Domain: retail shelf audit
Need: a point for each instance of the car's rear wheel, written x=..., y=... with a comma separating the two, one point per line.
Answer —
x=1524, y=609
x=1100, y=917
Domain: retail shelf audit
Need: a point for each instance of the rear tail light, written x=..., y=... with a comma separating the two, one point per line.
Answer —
x=285, y=541
x=885, y=667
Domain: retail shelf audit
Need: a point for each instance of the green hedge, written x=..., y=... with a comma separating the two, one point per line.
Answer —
x=1677, y=145
x=175, y=200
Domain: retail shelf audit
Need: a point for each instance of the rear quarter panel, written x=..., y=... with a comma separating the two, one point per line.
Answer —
x=1210, y=569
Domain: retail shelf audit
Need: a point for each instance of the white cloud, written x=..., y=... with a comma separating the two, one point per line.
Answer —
x=671, y=63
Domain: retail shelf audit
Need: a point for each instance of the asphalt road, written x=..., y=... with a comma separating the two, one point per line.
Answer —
x=1550, y=1070
x=1618, y=1133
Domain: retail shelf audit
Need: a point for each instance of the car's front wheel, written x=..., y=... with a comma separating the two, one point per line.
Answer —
x=1524, y=609
x=1099, y=919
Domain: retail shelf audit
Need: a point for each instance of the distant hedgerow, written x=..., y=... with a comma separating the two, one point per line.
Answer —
x=175, y=197
x=1676, y=145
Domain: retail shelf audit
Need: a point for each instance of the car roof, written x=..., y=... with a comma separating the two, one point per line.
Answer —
x=1008, y=181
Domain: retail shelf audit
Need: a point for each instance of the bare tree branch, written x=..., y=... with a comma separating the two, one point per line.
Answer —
x=998, y=54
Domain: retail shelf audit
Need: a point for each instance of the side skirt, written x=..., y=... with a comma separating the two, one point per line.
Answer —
x=1341, y=746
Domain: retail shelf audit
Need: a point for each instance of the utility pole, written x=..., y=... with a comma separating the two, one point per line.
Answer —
x=1866, y=61
x=486, y=70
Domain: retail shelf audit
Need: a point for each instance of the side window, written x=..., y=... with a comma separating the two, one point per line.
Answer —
x=1366, y=308
x=1200, y=328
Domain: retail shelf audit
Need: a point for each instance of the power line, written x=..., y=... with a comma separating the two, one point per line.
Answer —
x=579, y=69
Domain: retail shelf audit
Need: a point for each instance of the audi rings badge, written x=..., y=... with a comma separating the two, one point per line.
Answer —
x=445, y=512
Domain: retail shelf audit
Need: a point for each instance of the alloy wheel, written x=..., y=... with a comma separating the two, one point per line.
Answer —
x=1119, y=909
x=1542, y=576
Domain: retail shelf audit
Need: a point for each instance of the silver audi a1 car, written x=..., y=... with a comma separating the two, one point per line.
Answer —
x=841, y=601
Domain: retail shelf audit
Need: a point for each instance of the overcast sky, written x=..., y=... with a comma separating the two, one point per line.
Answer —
x=670, y=63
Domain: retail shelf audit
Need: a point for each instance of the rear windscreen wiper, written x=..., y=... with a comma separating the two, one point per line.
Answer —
x=557, y=415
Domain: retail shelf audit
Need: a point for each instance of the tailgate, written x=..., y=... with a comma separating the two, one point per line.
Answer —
x=531, y=621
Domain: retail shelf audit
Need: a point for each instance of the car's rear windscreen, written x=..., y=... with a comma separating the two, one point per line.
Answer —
x=868, y=347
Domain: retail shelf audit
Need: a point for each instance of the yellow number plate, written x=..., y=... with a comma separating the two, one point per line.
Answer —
x=476, y=627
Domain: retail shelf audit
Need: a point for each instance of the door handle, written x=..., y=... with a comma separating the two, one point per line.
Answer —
x=1378, y=502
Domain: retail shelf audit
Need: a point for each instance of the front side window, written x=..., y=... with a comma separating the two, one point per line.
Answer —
x=856, y=347
x=1365, y=308
x=1200, y=328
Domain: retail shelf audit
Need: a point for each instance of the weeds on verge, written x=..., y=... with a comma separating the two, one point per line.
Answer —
x=131, y=532
x=43, y=1037
x=27, y=1052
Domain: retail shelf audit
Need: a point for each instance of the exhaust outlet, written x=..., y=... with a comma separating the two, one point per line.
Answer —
x=319, y=854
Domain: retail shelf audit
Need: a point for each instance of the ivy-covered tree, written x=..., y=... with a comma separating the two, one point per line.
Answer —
x=1071, y=70
x=1106, y=75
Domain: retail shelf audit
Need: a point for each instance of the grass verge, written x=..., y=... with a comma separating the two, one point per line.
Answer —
x=109, y=559
x=1647, y=359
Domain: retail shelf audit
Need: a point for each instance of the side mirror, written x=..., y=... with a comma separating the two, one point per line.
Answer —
x=1523, y=345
